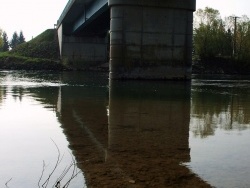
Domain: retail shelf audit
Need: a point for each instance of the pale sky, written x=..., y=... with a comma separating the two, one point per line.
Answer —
x=35, y=16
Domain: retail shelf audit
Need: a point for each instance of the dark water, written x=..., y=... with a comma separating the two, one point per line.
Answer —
x=123, y=134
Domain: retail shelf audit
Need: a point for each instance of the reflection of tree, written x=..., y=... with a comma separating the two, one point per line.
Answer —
x=219, y=107
x=2, y=94
x=202, y=126
x=17, y=93
x=31, y=84
x=45, y=95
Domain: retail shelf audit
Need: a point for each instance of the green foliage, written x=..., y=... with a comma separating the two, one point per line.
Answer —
x=41, y=53
x=47, y=36
x=16, y=62
x=21, y=38
x=243, y=39
x=209, y=33
x=17, y=39
x=1, y=39
x=44, y=45
x=6, y=45
x=14, y=41
x=217, y=38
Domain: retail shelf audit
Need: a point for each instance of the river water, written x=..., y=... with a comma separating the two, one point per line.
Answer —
x=123, y=133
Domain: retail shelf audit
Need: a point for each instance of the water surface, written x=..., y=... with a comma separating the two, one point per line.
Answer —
x=219, y=130
x=30, y=131
x=124, y=133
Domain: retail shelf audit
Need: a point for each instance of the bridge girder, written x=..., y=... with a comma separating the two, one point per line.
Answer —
x=81, y=13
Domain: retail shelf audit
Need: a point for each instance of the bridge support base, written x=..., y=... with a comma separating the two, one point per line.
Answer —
x=82, y=52
x=151, y=39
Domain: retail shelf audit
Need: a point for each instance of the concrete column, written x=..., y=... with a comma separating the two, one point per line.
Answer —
x=151, y=39
x=82, y=52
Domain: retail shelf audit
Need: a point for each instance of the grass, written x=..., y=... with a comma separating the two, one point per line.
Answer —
x=18, y=62
x=44, y=45
x=40, y=53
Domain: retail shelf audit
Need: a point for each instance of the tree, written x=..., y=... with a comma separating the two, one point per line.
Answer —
x=21, y=38
x=242, y=37
x=6, y=45
x=1, y=39
x=17, y=39
x=14, y=41
x=225, y=40
x=207, y=17
x=209, y=33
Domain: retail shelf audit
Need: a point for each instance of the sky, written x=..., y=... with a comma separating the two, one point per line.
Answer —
x=32, y=17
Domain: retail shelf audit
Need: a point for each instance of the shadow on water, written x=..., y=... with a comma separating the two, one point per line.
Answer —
x=132, y=134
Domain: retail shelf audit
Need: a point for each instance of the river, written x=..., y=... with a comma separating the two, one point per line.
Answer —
x=82, y=129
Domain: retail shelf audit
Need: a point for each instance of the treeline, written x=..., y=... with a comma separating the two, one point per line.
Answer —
x=6, y=45
x=217, y=38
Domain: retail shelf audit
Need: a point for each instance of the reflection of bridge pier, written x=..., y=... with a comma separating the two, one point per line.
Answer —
x=154, y=119
x=149, y=130
x=139, y=141
x=83, y=116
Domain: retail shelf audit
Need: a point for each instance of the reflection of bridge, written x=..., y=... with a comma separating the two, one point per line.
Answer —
x=148, y=39
x=138, y=140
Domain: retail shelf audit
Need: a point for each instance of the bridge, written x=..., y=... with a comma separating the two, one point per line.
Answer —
x=141, y=39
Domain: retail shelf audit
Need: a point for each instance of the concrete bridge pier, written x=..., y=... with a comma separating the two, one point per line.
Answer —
x=82, y=52
x=151, y=39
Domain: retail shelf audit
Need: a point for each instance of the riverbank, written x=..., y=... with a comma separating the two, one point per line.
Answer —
x=40, y=53
x=220, y=66
x=16, y=62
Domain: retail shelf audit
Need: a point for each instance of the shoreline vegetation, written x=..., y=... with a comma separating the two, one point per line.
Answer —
x=220, y=46
x=220, y=65
x=17, y=62
x=40, y=53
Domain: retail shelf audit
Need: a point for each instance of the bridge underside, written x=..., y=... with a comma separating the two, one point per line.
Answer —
x=140, y=39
